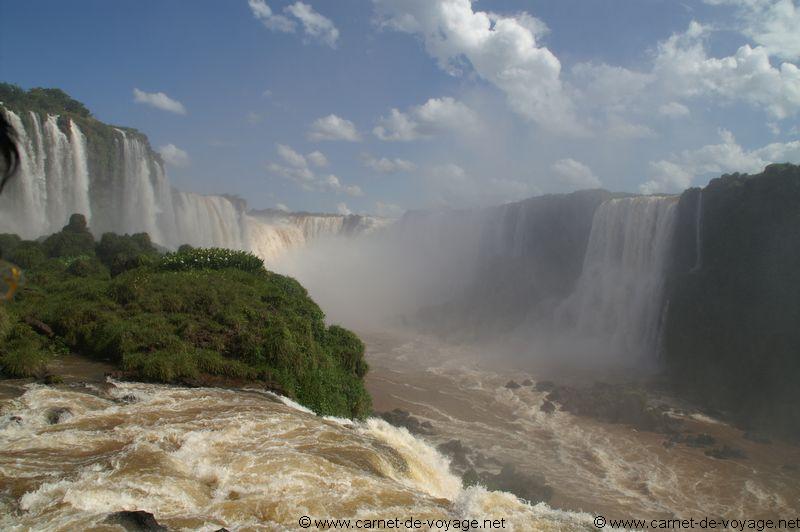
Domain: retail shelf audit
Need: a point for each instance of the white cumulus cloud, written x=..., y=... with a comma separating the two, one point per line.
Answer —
x=315, y=26
x=385, y=165
x=318, y=159
x=679, y=171
x=173, y=155
x=673, y=110
x=333, y=127
x=503, y=50
x=774, y=24
x=159, y=100
x=436, y=116
x=575, y=175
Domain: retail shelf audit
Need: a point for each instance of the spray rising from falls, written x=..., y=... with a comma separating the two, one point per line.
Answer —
x=120, y=186
x=618, y=300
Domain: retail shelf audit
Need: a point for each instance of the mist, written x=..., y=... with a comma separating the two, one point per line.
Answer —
x=570, y=281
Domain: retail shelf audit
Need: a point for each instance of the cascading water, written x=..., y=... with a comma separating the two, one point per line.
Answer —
x=698, y=236
x=617, y=304
x=23, y=206
x=130, y=193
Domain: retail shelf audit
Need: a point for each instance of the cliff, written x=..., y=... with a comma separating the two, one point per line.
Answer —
x=732, y=334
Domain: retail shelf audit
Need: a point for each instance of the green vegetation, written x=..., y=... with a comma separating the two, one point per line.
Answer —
x=732, y=334
x=52, y=101
x=198, y=316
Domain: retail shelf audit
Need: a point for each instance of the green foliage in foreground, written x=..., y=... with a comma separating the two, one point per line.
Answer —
x=199, y=315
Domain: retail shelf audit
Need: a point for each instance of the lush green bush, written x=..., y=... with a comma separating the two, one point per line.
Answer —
x=28, y=255
x=211, y=259
x=191, y=316
x=74, y=240
x=8, y=243
x=53, y=101
x=23, y=353
x=124, y=252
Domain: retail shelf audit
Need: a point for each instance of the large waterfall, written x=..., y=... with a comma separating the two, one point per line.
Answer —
x=54, y=178
x=618, y=302
x=124, y=189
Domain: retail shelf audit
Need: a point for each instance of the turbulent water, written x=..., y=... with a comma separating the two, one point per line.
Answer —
x=610, y=470
x=201, y=459
x=130, y=192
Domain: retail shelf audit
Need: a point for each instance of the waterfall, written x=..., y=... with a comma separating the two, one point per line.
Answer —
x=272, y=240
x=53, y=181
x=128, y=192
x=208, y=221
x=698, y=235
x=617, y=303
x=80, y=168
x=139, y=208
x=23, y=206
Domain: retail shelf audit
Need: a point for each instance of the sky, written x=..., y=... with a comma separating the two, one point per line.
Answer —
x=379, y=106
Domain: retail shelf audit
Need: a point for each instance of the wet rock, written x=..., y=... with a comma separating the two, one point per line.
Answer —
x=138, y=521
x=401, y=418
x=726, y=452
x=39, y=326
x=471, y=478
x=527, y=382
x=545, y=386
x=512, y=385
x=17, y=419
x=457, y=453
x=53, y=379
x=57, y=415
x=128, y=398
x=615, y=404
x=532, y=488
x=756, y=437
x=693, y=440
x=547, y=407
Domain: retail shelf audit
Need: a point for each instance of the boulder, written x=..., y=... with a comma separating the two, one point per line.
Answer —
x=136, y=521
x=57, y=415
x=457, y=453
x=512, y=385
x=547, y=407
x=726, y=452
x=756, y=437
x=401, y=418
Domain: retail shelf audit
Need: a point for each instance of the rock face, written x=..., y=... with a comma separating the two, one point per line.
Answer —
x=466, y=462
x=732, y=334
x=613, y=404
x=136, y=521
x=57, y=415
x=401, y=418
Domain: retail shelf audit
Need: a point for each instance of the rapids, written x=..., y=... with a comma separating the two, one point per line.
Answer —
x=201, y=459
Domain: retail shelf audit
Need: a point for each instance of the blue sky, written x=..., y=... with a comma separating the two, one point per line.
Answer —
x=385, y=105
